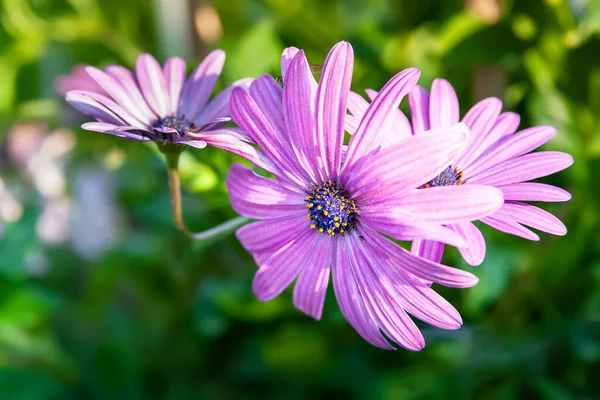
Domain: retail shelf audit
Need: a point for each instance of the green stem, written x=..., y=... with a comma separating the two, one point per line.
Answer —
x=175, y=189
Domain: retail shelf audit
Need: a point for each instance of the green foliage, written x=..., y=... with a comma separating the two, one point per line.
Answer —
x=137, y=311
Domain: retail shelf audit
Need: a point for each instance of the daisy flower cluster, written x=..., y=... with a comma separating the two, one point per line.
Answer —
x=338, y=179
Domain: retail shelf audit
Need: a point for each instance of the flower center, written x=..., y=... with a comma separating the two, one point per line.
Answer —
x=330, y=209
x=181, y=124
x=450, y=176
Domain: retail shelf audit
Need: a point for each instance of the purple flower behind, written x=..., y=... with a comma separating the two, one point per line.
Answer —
x=159, y=103
x=495, y=155
x=321, y=215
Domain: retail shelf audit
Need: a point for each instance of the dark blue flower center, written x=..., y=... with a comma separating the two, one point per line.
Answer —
x=450, y=176
x=181, y=124
x=330, y=209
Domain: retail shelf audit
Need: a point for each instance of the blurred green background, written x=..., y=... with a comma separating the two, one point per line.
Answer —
x=101, y=297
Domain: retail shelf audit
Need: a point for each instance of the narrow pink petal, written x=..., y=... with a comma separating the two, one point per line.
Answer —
x=503, y=221
x=422, y=158
x=225, y=140
x=299, y=93
x=351, y=124
x=128, y=132
x=511, y=146
x=198, y=88
x=428, y=249
x=506, y=124
x=102, y=108
x=400, y=127
x=267, y=95
x=249, y=117
x=475, y=252
x=311, y=285
x=281, y=268
x=126, y=78
x=377, y=121
x=357, y=105
x=402, y=225
x=152, y=83
x=286, y=58
x=524, y=168
x=350, y=298
x=267, y=236
x=120, y=94
x=423, y=268
x=218, y=107
x=451, y=204
x=443, y=105
x=532, y=191
x=197, y=144
x=254, y=196
x=332, y=93
x=174, y=71
x=390, y=316
x=418, y=98
x=535, y=217
x=480, y=119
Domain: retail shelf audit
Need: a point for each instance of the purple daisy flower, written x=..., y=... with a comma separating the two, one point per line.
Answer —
x=321, y=215
x=159, y=104
x=495, y=155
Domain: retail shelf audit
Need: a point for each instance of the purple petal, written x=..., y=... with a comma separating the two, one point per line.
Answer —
x=480, y=119
x=152, y=82
x=511, y=146
x=351, y=124
x=280, y=269
x=401, y=127
x=219, y=106
x=298, y=108
x=451, y=204
x=102, y=108
x=197, y=144
x=428, y=249
x=198, y=88
x=506, y=124
x=174, y=71
x=311, y=285
x=269, y=235
x=390, y=316
x=402, y=225
x=376, y=121
x=127, y=132
x=535, y=217
x=421, y=267
x=286, y=59
x=443, y=105
x=405, y=165
x=254, y=196
x=267, y=95
x=524, y=168
x=78, y=79
x=223, y=139
x=503, y=221
x=350, y=298
x=249, y=117
x=531, y=191
x=120, y=94
x=357, y=105
x=127, y=81
x=330, y=107
x=418, y=98
x=475, y=252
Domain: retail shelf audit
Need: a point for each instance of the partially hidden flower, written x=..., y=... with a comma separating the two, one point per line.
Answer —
x=78, y=79
x=159, y=103
x=322, y=216
x=495, y=155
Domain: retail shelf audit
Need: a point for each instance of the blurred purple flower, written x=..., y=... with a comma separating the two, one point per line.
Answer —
x=157, y=103
x=79, y=79
x=495, y=155
x=318, y=214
